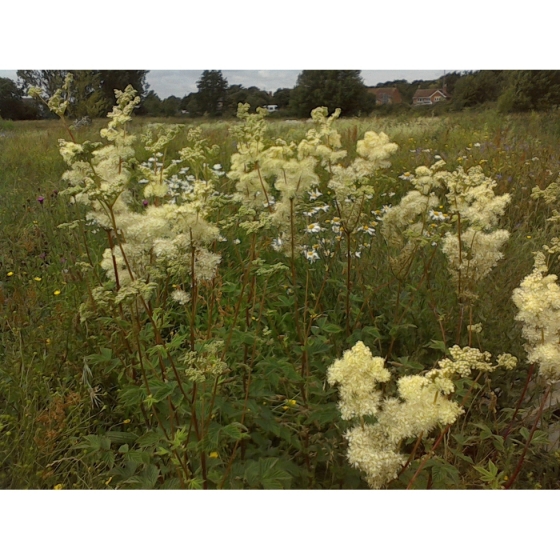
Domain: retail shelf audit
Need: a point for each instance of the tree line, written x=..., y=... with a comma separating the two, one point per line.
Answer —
x=93, y=93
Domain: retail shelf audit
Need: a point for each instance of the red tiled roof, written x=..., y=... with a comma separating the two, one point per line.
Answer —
x=391, y=92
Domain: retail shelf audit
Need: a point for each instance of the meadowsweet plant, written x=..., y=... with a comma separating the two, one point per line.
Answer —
x=423, y=402
x=538, y=302
x=209, y=276
x=159, y=256
x=474, y=249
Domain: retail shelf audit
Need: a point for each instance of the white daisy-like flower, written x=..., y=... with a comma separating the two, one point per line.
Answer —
x=311, y=255
x=314, y=195
x=309, y=214
x=313, y=228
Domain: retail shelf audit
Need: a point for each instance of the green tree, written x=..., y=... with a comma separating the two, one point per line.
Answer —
x=333, y=89
x=474, y=88
x=529, y=90
x=93, y=91
x=171, y=106
x=212, y=89
x=111, y=80
x=282, y=97
x=151, y=105
x=88, y=99
x=48, y=80
x=11, y=102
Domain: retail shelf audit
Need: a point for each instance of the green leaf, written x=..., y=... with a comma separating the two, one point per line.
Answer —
x=438, y=345
x=331, y=328
x=161, y=390
x=235, y=431
x=121, y=437
x=148, y=439
x=171, y=484
x=150, y=476
x=132, y=396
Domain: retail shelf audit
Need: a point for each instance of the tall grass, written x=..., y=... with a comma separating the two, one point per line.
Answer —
x=278, y=358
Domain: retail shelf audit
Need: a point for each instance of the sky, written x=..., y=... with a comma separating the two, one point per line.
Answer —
x=183, y=82
x=256, y=46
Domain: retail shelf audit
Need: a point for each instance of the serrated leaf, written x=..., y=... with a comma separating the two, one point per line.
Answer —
x=132, y=396
x=171, y=484
x=234, y=431
x=150, y=476
x=148, y=439
x=121, y=437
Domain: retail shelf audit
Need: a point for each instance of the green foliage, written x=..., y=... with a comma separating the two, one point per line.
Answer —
x=334, y=89
x=529, y=90
x=479, y=87
x=124, y=418
x=212, y=91
x=11, y=102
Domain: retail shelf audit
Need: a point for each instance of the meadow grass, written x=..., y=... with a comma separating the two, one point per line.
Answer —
x=48, y=405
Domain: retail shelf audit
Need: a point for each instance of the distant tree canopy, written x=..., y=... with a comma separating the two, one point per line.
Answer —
x=333, y=89
x=474, y=88
x=111, y=80
x=212, y=89
x=93, y=91
x=528, y=90
x=282, y=97
x=254, y=96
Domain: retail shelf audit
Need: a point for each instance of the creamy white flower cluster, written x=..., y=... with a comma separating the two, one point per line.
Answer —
x=172, y=228
x=276, y=180
x=99, y=173
x=409, y=219
x=538, y=301
x=422, y=404
x=475, y=250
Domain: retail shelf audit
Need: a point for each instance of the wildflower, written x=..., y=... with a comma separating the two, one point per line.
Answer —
x=311, y=255
x=145, y=203
x=11, y=273
x=213, y=455
x=58, y=487
x=313, y=228
x=56, y=292
x=277, y=244
x=437, y=216
x=127, y=421
x=40, y=199
x=236, y=241
x=180, y=296
x=314, y=195
x=367, y=229
x=37, y=278
x=291, y=402
x=311, y=213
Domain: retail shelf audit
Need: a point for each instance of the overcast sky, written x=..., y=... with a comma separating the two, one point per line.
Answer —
x=393, y=41
x=182, y=82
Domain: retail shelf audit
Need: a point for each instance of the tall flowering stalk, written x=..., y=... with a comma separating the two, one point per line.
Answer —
x=464, y=226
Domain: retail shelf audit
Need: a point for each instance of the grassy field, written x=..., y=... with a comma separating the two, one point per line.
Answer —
x=228, y=388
